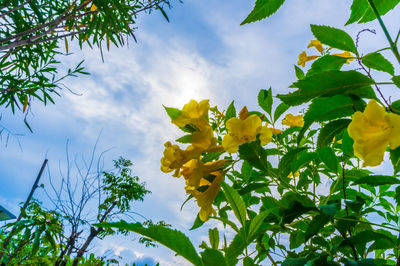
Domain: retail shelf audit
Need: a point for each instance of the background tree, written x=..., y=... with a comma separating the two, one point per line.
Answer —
x=30, y=35
x=62, y=236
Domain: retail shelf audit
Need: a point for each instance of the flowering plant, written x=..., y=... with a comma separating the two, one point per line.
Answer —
x=295, y=191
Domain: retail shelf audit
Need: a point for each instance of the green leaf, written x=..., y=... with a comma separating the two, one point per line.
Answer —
x=397, y=195
x=284, y=168
x=299, y=72
x=329, y=108
x=324, y=109
x=382, y=6
x=358, y=10
x=396, y=81
x=333, y=37
x=36, y=242
x=325, y=63
x=197, y=223
x=328, y=157
x=230, y=112
x=236, y=202
x=347, y=143
x=228, y=222
x=265, y=100
x=235, y=248
x=213, y=236
x=263, y=9
x=293, y=205
x=395, y=159
x=254, y=154
x=378, y=62
x=212, y=257
x=256, y=223
x=172, y=239
x=329, y=83
x=330, y=209
x=316, y=224
x=280, y=109
x=172, y=112
x=185, y=139
x=377, y=180
x=330, y=130
x=294, y=262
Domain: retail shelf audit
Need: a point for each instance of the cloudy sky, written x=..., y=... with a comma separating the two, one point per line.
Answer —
x=203, y=53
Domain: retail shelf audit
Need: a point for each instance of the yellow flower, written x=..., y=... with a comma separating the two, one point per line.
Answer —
x=206, y=198
x=303, y=58
x=203, y=139
x=275, y=131
x=194, y=170
x=293, y=120
x=317, y=44
x=372, y=131
x=193, y=113
x=242, y=131
x=174, y=157
x=347, y=55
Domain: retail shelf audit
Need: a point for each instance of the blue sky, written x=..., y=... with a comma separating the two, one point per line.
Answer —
x=203, y=53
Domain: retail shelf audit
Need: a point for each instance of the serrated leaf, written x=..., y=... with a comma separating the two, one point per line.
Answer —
x=383, y=6
x=377, y=180
x=330, y=130
x=396, y=81
x=212, y=257
x=328, y=157
x=378, y=62
x=280, y=109
x=358, y=10
x=256, y=223
x=333, y=37
x=230, y=112
x=265, y=100
x=299, y=72
x=330, y=83
x=236, y=202
x=172, y=239
x=263, y=9
x=235, y=248
x=325, y=63
x=172, y=112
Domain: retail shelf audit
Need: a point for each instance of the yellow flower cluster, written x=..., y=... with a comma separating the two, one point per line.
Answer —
x=202, y=179
x=372, y=131
x=245, y=129
x=304, y=58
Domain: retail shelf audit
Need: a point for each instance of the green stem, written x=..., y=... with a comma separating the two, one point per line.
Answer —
x=393, y=46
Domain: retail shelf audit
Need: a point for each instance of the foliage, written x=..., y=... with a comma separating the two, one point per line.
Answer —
x=62, y=236
x=32, y=33
x=274, y=197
